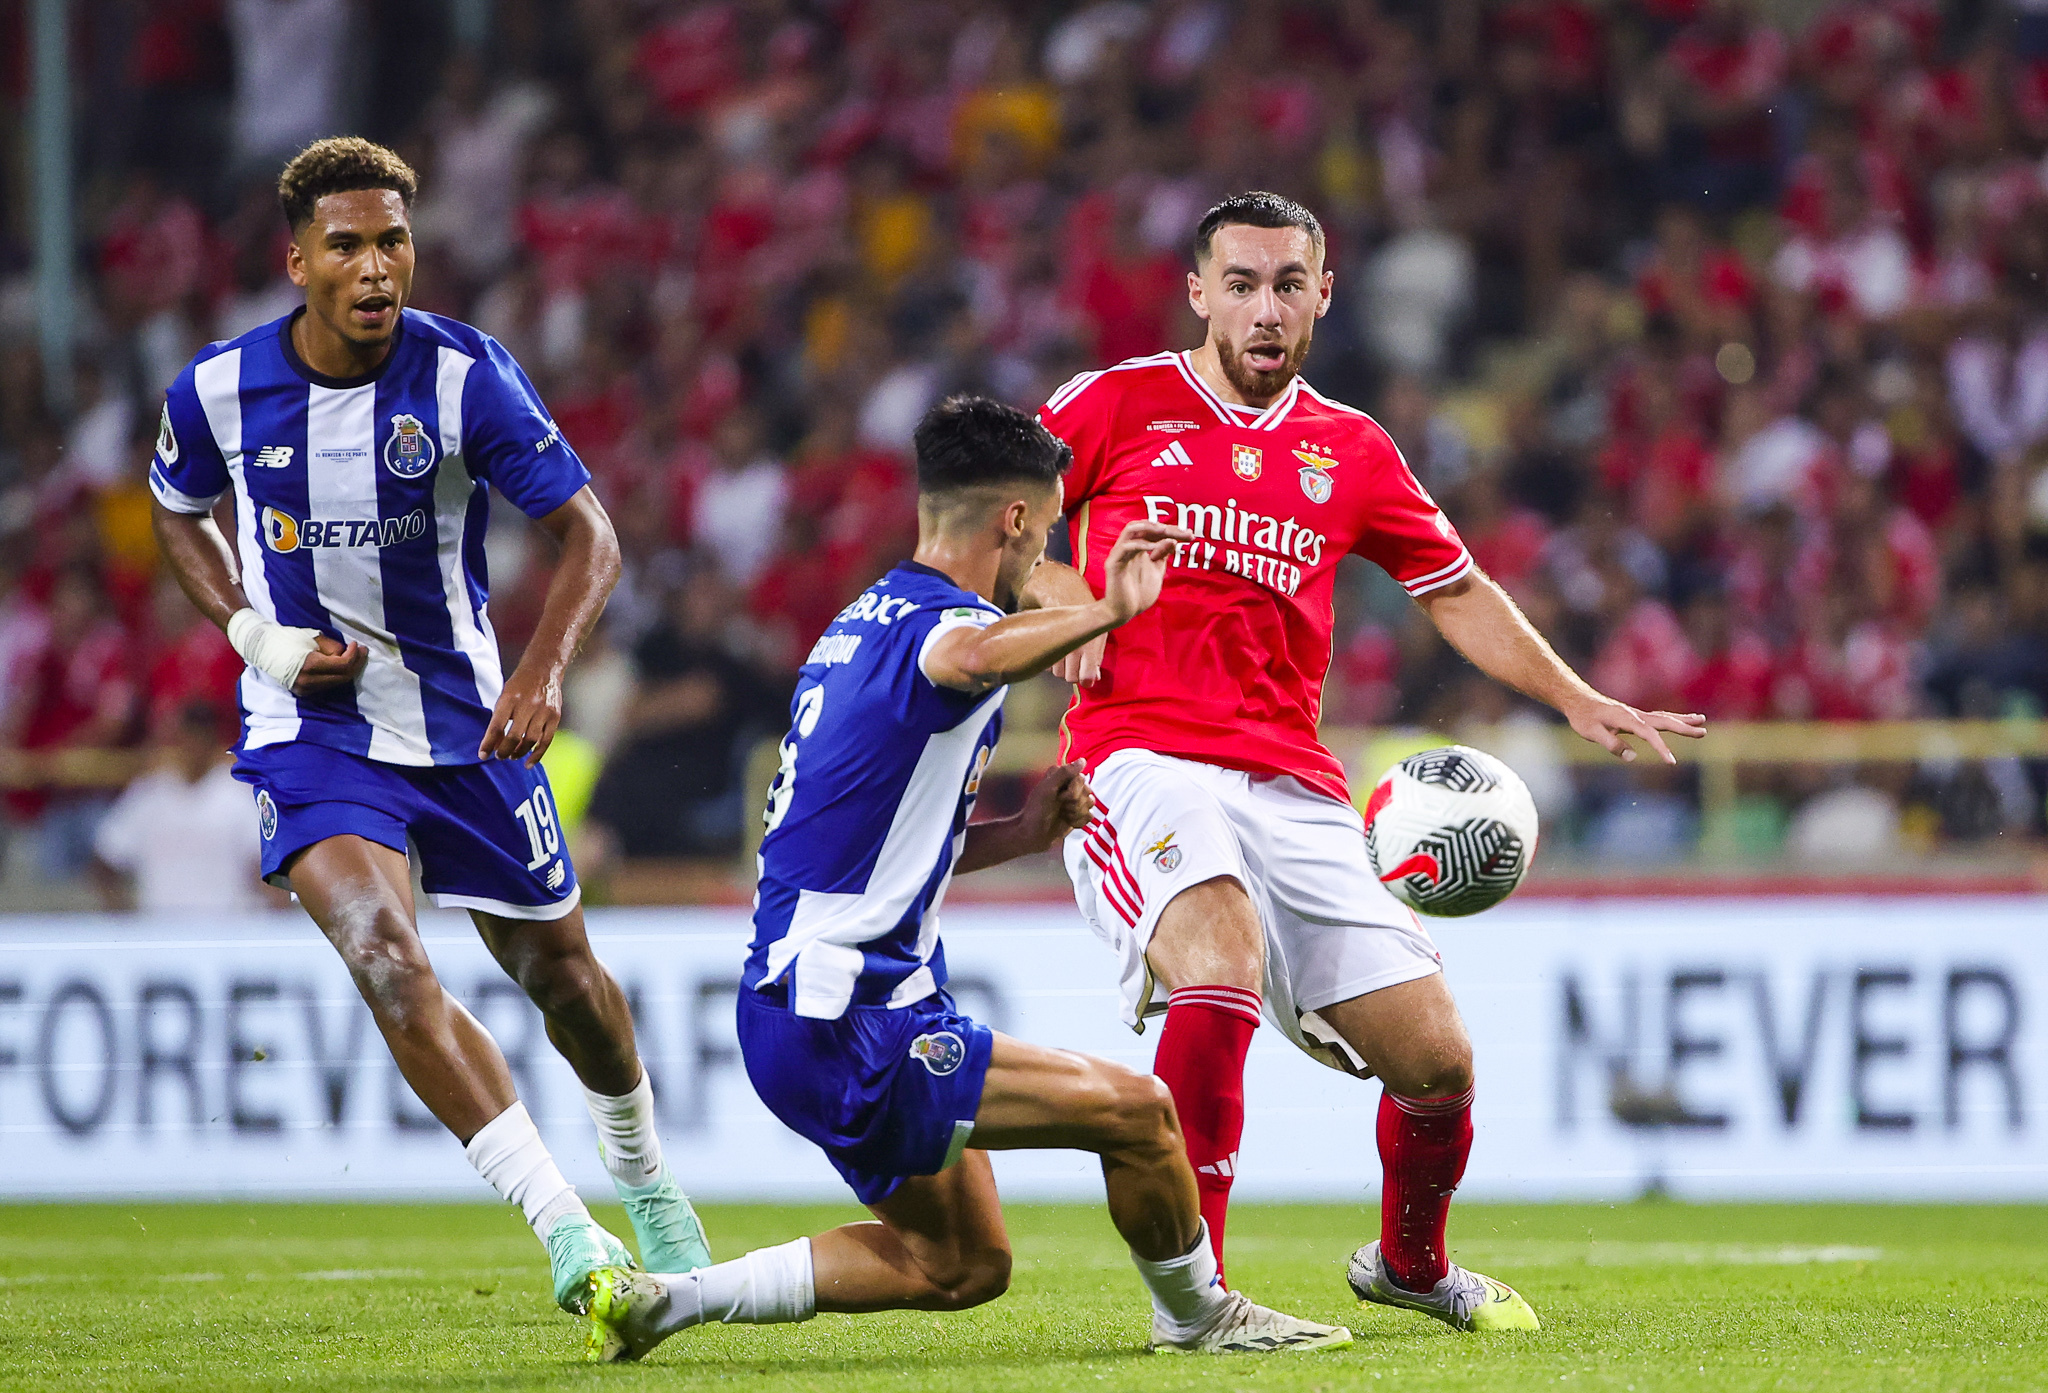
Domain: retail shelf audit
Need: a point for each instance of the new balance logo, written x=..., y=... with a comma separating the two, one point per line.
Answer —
x=556, y=875
x=1226, y=1168
x=272, y=457
x=1172, y=455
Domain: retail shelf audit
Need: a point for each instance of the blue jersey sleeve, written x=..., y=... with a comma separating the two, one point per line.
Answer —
x=927, y=626
x=187, y=473
x=510, y=440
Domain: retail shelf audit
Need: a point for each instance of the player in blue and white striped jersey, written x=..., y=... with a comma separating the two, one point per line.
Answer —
x=844, y=1021
x=360, y=440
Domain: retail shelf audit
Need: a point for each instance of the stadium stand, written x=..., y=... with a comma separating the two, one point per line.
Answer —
x=1719, y=328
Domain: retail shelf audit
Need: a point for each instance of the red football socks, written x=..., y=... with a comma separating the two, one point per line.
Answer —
x=1201, y=1061
x=1423, y=1146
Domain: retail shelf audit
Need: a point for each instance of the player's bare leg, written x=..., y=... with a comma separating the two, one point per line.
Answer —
x=360, y=894
x=591, y=1026
x=587, y=1018
x=1413, y=1038
x=940, y=1243
x=1210, y=951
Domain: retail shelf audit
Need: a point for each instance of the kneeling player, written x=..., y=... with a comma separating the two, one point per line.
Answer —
x=847, y=1031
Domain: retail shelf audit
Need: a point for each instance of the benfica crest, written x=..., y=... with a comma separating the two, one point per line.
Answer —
x=1316, y=480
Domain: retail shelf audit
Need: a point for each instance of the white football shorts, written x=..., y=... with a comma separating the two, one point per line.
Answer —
x=1163, y=825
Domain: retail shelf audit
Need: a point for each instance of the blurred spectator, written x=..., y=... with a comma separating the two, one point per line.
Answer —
x=1718, y=328
x=290, y=58
x=1982, y=667
x=672, y=786
x=183, y=837
x=737, y=512
x=78, y=691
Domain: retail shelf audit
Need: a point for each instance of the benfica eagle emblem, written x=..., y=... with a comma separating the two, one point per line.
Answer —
x=1316, y=481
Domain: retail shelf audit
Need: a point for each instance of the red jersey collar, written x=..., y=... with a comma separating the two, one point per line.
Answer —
x=1231, y=414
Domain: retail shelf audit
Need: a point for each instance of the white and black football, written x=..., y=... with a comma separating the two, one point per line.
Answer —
x=1451, y=831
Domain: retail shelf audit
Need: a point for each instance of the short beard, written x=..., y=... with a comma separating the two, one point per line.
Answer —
x=1260, y=386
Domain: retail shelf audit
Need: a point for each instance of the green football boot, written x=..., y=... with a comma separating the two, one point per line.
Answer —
x=671, y=1236
x=577, y=1247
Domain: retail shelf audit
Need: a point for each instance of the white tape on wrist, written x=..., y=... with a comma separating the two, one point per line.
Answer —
x=270, y=647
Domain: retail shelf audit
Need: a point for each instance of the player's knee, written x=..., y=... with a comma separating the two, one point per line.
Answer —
x=560, y=982
x=1439, y=1069
x=384, y=956
x=980, y=1278
x=1143, y=1108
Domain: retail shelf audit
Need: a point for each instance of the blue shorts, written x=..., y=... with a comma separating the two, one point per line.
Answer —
x=886, y=1094
x=487, y=833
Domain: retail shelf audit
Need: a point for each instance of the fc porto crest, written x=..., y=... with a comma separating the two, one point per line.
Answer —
x=1316, y=481
x=1246, y=462
x=266, y=814
x=409, y=452
x=941, y=1051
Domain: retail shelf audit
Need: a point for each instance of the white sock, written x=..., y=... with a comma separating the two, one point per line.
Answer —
x=1186, y=1291
x=509, y=1153
x=625, y=1134
x=769, y=1286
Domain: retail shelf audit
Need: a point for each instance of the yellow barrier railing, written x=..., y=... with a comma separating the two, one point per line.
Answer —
x=1727, y=747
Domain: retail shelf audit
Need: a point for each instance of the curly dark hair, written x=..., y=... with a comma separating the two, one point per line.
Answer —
x=340, y=164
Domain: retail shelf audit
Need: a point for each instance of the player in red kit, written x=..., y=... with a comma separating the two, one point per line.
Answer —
x=1225, y=862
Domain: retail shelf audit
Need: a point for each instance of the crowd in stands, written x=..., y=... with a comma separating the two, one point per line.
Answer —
x=1719, y=328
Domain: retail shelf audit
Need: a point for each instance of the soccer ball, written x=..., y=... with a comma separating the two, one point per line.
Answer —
x=1451, y=831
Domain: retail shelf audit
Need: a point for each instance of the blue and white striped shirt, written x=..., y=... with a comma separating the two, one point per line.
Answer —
x=360, y=509
x=869, y=812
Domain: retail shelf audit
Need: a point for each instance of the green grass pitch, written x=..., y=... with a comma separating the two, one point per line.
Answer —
x=1633, y=1297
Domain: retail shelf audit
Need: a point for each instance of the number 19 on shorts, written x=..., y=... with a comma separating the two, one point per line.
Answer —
x=543, y=832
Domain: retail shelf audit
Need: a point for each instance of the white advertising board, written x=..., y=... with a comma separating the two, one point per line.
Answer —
x=1793, y=1048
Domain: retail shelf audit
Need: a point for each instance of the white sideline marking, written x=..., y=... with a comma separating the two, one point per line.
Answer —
x=1626, y=1253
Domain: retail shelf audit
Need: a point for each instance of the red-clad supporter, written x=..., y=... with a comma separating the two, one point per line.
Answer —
x=1507, y=540
x=78, y=681
x=1663, y=468
x=155, y=252
x=1731, y=666
x=691, y=59
x=190, y=661
x=1673, y=298
x=1691, y=278
x=1646, y=660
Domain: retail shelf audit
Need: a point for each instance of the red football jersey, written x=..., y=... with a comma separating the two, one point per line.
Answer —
x=1228, y=667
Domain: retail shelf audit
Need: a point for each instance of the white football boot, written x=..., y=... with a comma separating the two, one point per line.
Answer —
x=1463, y=1300
x=1245, y=1327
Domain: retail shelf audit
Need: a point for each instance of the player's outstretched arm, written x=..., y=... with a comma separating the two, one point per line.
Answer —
x=302, y=660
x=1480, y=621
x=529, y=710
x=1027, y=643
x=1060, y=803
x=1054, y=583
